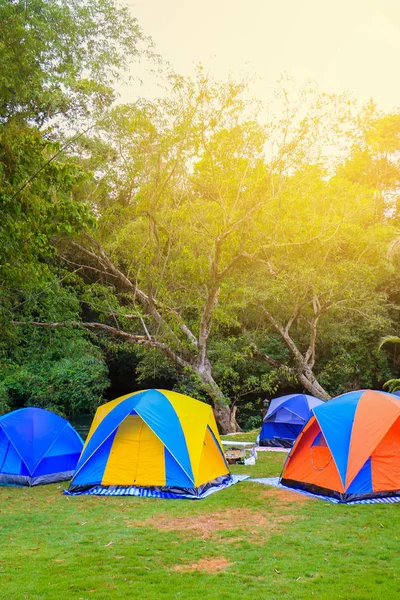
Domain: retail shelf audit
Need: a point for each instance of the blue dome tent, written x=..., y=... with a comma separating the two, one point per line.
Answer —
x=285, y=419
x=36, y=447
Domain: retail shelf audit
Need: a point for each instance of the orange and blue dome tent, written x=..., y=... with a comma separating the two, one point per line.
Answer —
x=153, y=443
x=36, y=447
x=349, y=449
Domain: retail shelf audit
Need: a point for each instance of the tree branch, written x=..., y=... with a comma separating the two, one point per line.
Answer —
x=130, y=337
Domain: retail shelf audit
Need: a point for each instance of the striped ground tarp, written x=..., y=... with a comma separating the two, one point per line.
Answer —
x=274, y=482
x=151, y=493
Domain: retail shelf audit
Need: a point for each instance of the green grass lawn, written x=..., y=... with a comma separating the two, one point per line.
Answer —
x=246, y=542
x=248, y=436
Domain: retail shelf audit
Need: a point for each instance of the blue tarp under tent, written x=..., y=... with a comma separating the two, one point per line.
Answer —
x=37, y=447
x=285, y=419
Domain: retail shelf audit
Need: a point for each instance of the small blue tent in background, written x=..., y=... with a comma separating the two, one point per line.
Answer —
x=37, y=446
x=285, y=419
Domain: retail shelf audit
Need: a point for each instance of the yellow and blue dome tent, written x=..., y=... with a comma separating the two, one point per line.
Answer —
x=152, y=443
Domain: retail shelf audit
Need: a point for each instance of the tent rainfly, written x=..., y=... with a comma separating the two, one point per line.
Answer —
x=36, y=447
x=153, y=443
x=285, y=418
x=349, y=449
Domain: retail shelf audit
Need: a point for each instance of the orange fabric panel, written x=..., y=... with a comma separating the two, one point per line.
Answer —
x=136, y=457
x=312, y=423
x=375, y=414
x=313, y=464
x=306, y=427
x=212, y=463
x=385, y=461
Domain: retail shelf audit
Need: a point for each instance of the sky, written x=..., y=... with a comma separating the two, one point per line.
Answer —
x=343, y=45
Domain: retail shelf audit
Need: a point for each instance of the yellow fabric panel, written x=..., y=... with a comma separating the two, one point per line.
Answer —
x=193, y=416
x=102, y=412
x=212, y=464
x=136, y=457
x=213, y=425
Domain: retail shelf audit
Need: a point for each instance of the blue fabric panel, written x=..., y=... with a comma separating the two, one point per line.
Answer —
x=68, y=442
x=12, y=462
x=280, y=430
x=159, y=414
x=362, y=482
x=299, y=406
x=313, y=402
x=57, y=464
x=286, y=416
x=4, y=443
x=24, y=470
x=276, y=403
x=109, y=424
x=335, y=419
x=175, y=476
x=319, y=440
x=32, y=431
x=92, y=472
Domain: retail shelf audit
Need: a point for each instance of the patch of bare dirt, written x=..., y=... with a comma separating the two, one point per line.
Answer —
x=253, y=524
x=284, y=497
x=208, y=565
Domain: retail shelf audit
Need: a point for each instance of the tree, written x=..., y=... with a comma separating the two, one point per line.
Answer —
x=60, y=57
x=179, y=195
x=197, y=231
x=59, y=60
x=330, y=264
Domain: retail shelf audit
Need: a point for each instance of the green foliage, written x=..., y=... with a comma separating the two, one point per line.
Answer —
x=68, y=378
x=392, y=339
x=393, y=385
x=55, y=368
x=253, y=422
x=190, y=384
x=59, y=57
x=228, y=237
x=191, y=206
x=4, y=399
x=237, y=374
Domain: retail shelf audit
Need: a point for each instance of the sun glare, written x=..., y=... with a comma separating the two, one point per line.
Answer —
x=348, y=46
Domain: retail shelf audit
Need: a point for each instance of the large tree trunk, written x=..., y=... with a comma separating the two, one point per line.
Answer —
x=311, y=384
x=305, y=361
x=226, y=418
x=225, y=415
x=303, y=373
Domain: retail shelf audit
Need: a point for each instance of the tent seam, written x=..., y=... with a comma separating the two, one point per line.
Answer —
x=337, y=468
x=173, y=455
